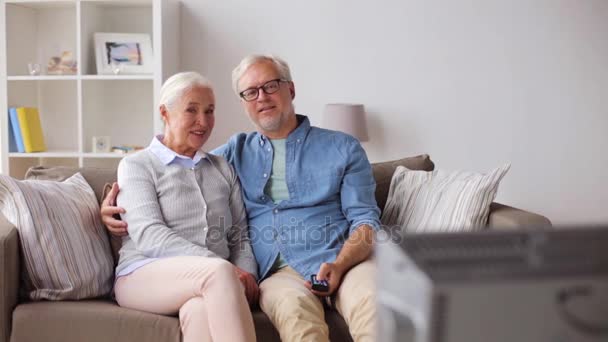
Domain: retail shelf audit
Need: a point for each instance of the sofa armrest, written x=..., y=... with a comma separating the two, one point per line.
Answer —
x=9, y=276
x=504, y=217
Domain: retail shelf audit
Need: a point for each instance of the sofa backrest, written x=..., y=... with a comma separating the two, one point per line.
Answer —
x=96, y=177
x=383, y=173
x=99, y=177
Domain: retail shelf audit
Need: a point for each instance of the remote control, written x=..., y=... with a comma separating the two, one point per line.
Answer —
x=319, y=285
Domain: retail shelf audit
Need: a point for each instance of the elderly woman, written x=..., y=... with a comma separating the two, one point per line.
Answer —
x=186, y=218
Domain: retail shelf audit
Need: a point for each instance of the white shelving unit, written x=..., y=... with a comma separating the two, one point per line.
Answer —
x=75, y=108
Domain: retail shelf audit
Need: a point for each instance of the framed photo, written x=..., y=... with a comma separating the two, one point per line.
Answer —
x=123, y=53
x=101, y=144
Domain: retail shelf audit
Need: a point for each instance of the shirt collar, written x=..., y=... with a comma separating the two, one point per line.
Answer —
x=298, y=133
x=167, y=155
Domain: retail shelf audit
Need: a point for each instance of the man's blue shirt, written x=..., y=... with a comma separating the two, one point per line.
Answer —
x=331, y=193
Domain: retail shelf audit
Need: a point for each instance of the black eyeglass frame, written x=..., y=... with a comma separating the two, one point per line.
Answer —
x=263, y=87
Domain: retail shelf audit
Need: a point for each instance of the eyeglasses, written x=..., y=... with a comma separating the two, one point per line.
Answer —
x=269, y=87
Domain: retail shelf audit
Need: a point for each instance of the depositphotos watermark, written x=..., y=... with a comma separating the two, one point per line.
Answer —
x=299, y=233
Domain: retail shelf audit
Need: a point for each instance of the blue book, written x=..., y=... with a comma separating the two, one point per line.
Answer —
x=16, y=129
x=12, y=144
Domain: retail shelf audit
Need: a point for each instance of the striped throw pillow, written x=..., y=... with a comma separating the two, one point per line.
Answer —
x=440, y=201
x=66, y=252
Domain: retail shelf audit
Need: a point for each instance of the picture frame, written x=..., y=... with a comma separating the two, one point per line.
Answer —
x=101, y=144
x=123, y=53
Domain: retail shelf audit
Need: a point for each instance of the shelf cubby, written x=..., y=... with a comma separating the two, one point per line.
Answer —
x=74, y=108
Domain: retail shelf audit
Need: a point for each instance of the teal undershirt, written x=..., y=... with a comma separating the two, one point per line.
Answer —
x=276, y=188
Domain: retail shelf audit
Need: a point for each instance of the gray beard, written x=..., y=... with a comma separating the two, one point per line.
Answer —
x=272, y=124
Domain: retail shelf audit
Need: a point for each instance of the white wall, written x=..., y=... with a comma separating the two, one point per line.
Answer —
x=474, y=83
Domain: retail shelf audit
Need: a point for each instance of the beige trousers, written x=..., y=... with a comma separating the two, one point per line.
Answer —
x=205, y=292
x=298, y=314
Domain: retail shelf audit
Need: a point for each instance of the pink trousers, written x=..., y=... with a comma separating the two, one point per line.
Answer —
x=205, y=292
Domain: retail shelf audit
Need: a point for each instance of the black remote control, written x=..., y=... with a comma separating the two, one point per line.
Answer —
x=319, y=285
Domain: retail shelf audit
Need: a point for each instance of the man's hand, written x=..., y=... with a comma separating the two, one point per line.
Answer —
x=357, y=248
x=252, y=291
x=331, y=272
x=116, y=227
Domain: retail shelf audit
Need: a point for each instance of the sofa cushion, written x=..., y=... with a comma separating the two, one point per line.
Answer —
x=91, y=321
x=421, y=201
x=65, y=249
x=100, y=179
x=100, y=321
x=96, y=177
x=265, y=331
x=383, y=173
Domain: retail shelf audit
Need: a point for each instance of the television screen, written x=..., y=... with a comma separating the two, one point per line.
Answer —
x=528, y=285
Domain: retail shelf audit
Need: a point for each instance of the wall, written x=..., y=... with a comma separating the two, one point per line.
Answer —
x=473, y=83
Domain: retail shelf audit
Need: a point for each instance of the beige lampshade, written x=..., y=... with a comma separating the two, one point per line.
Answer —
x=346, y=117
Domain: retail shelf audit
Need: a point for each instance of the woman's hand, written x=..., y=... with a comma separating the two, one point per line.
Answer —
x=109, y=212
x=252, y=291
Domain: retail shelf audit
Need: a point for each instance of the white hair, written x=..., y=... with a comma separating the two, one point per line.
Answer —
x=175, y=86
x=281, y=66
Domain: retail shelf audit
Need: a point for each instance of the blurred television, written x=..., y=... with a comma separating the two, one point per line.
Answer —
x=531, y=285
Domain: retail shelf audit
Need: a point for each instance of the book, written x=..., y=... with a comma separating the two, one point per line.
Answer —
x=31, y=129
x=12, y=144
x=126, y=149
x=16, y=129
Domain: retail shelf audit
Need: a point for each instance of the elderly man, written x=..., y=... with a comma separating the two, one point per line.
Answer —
x=309, y=195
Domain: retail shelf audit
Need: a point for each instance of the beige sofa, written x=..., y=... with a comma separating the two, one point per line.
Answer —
x=103, y=320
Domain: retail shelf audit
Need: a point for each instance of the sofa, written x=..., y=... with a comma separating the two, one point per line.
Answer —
x=103, y=320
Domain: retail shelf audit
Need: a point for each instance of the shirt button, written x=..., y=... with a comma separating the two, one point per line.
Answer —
x=298, y=140
x=262, y=197
x=269, y=149
x=265, y=175
x=276, y=211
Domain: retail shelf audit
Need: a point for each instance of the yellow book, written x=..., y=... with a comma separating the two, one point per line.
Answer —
x=31, y=130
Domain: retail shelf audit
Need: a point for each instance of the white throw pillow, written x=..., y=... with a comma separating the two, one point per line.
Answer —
x=66, y=252
x=440, y=201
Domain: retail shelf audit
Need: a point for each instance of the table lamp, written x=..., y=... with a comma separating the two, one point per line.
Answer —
x=347, y=118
